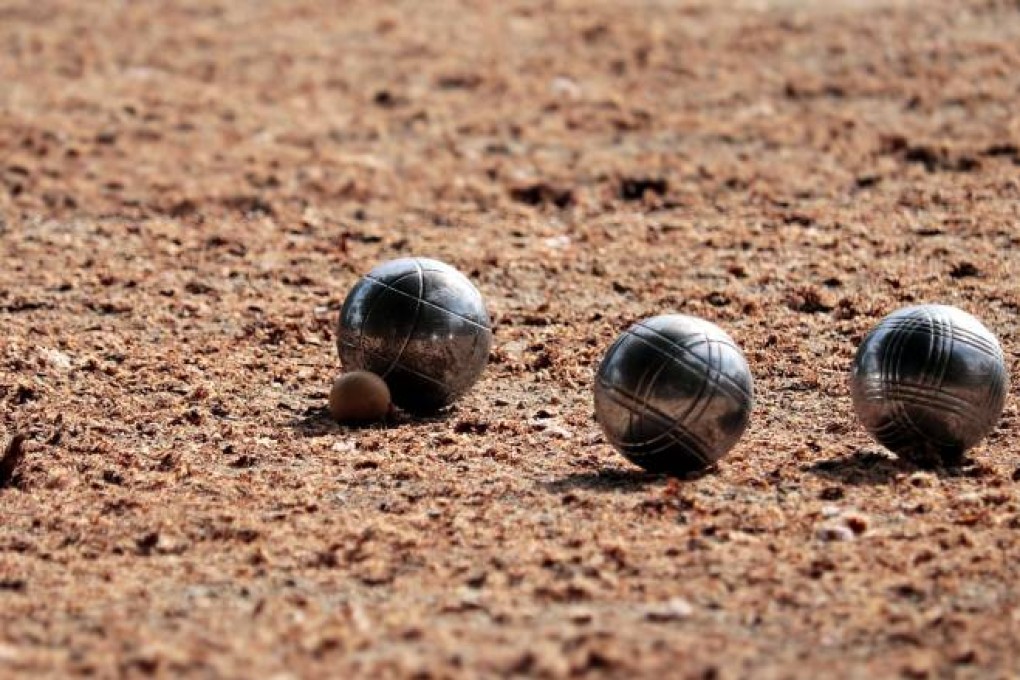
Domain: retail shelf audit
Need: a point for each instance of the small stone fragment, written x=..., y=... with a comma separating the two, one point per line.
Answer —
x=673, y=610
x=10, y=459
x=834, y=532
x=56, y=358
x=856, y=522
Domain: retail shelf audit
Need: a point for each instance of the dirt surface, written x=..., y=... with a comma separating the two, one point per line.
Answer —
x=189, y=189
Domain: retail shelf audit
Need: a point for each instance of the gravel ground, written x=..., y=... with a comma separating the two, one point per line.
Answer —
x=189, y=189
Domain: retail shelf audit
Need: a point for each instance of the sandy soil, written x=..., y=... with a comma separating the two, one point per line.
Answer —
x=188, y=190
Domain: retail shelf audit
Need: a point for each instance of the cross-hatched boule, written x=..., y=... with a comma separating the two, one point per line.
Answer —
x=929, y=382
x=421, y=326
x=673, y=394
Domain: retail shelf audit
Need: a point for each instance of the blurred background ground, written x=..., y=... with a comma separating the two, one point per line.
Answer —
x=188, y=190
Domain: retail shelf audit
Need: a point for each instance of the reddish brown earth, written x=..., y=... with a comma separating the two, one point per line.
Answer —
x=188, y=190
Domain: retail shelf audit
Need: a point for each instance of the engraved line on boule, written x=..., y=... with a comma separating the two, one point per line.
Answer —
x=949, y=348
x=700, y=401
x=675, y=427
x=875, y=393
x=689, y=349
x=361, y=326
x=647, y=382
x=414, y=321
x=671, y=428
x=894, y=437
x=900, y=415
x=693, y=339
x=430, y=304
x=938, y=400
x=439, y=268
x=943, y=330
x=633, y=405
x=379, y=294
x=403, y=367
x=726, y=385
x=970, y=338
x=676, y=436
x=892, y=359
x=995, y=394
x=888, y=427
x=710, y=379
x=934, y=358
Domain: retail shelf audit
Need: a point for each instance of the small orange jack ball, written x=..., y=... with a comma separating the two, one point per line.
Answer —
x=358, y=397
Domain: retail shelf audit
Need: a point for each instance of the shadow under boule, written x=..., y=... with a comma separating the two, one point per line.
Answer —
x=316, y=421
x=871, y=468
x=626, y=480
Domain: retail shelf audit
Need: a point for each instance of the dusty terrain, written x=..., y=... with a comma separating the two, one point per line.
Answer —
x=188, y=190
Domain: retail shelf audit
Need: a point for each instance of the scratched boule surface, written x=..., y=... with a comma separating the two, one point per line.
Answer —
x=187, y=191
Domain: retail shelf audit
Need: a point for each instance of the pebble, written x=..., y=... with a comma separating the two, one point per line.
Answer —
x=565, y=87
x=56, y=358
x=673, y=610
x=834, y=532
